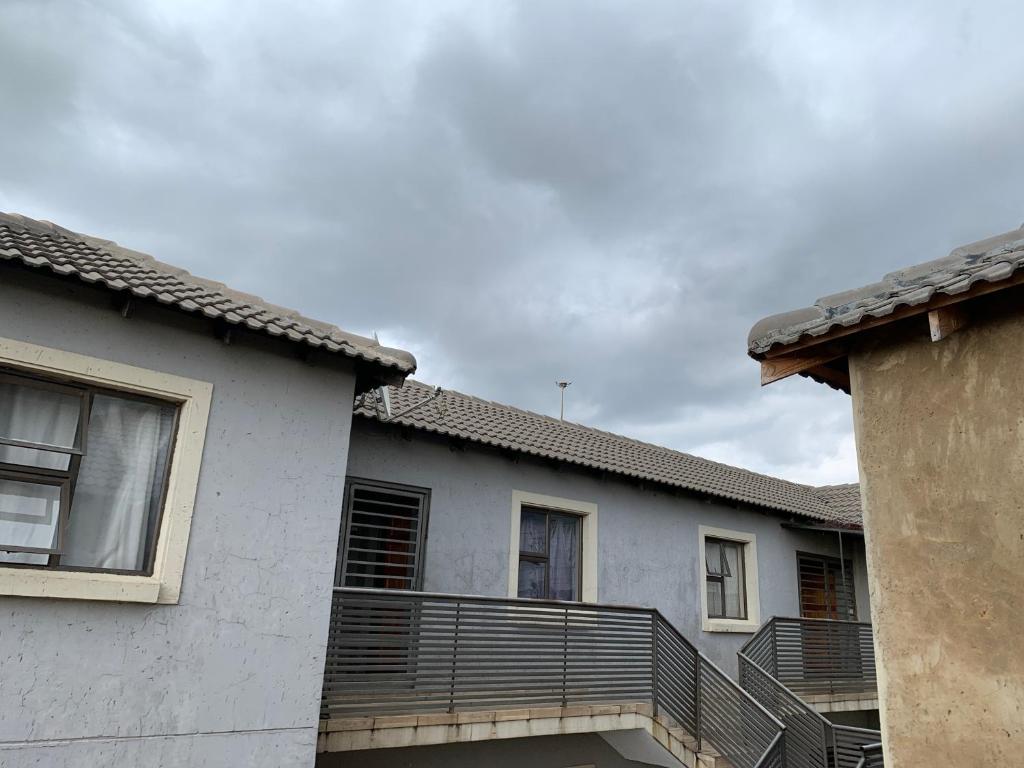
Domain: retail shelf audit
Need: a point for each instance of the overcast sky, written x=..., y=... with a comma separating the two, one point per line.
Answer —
x=610, y=193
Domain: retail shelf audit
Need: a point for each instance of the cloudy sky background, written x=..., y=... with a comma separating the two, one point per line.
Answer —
x=610, y=193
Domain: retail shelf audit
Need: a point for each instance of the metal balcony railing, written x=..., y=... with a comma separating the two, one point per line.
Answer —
x=788, y=658
x=404, y=652
x=817, y=656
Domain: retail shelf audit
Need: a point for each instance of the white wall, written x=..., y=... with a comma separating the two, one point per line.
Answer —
x=232, y=674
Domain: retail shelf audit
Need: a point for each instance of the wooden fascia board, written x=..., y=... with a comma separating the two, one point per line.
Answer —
x=784, y=366
x=901, y=313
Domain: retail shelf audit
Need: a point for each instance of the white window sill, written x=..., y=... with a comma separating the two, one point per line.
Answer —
x=730, y=625
x=79, y=585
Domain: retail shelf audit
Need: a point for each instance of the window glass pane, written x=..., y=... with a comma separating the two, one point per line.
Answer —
x=29, y=514
x=714, y=598
x=37, y=415
x=563, y=557
x=713, y=557
x=116, y=506
x=33, y=457
x=531, y=579
x=532, y=531
x=733, y=585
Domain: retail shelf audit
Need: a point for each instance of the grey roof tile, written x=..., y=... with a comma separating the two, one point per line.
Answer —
x=44, y=245
x=991, y=260
x=463, y=416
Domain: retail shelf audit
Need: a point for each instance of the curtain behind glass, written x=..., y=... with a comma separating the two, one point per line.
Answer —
x=563, y=557
x=116, y=503
x=37, y=416
x=735, y=600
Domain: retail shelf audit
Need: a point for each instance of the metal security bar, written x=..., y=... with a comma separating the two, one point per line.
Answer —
x=404, y=652
x=769, y=674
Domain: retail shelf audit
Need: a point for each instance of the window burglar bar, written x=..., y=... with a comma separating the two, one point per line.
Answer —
x=383, y=535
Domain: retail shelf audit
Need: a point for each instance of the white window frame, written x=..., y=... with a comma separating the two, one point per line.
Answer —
x=749, y=541
x=585, y=510
x=193, y=399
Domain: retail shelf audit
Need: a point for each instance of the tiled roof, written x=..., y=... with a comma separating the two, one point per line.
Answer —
x=844, y=501
x=46, y=246
x=992, y=260
x=469, y=418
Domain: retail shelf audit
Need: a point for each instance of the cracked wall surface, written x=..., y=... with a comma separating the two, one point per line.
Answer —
x=941, y=450
x=235, y=669
x=647, y=537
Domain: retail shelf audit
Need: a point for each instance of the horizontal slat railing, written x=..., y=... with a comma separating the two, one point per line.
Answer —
x=849, y=743
x=405, y=652
x=822, y=656
x=811, y=740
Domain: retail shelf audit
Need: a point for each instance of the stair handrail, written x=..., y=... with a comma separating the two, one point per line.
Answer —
x=828, y=729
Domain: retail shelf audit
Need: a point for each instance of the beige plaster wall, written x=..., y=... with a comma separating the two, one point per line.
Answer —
x=941, y=450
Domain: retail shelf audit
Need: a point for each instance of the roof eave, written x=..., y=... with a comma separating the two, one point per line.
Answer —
x=820, y=356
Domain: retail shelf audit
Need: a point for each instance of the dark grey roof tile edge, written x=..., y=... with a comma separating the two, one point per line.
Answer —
x=992, y=260
x=260, y=315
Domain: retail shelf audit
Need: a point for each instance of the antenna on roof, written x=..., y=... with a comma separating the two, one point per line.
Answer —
x=383, y=399
x=561, y=408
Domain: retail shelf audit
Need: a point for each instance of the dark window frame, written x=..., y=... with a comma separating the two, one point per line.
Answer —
x=26, y=473
x=719, y=578
x=545, y=557
x=418, y=555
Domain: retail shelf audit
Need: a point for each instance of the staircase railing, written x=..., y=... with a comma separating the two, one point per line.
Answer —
x=406, y=652
x=871, y=756
x=787, y=656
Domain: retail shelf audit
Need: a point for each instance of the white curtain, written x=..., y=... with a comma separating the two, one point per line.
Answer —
x=29, y=511
x=563, y=557
x=117, y=496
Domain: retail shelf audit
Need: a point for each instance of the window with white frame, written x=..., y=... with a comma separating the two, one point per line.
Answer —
x=552, y=548
x=99, y=468
x=729, y=589
x=724, y=578
x=83, y=474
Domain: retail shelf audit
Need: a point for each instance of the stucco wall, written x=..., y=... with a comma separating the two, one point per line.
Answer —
x=647, y=538
x=232, y=674
x=941, y=452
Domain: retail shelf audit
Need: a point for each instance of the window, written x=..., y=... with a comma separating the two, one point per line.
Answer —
x=549, y=554
x=552, y=551
x=725, y=579
x=826, y=588
x=728, y=580
x=83, y=474
x=99, y=467
x=383, y=536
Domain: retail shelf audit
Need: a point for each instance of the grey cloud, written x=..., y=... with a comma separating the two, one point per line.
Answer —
x=607, y=192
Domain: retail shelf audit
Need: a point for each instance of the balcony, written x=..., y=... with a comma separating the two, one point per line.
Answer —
x=829, y=664
x=409, y=668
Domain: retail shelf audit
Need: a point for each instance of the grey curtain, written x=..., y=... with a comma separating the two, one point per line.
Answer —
x=563, y=557
x=120, y=483
x=29, y=512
